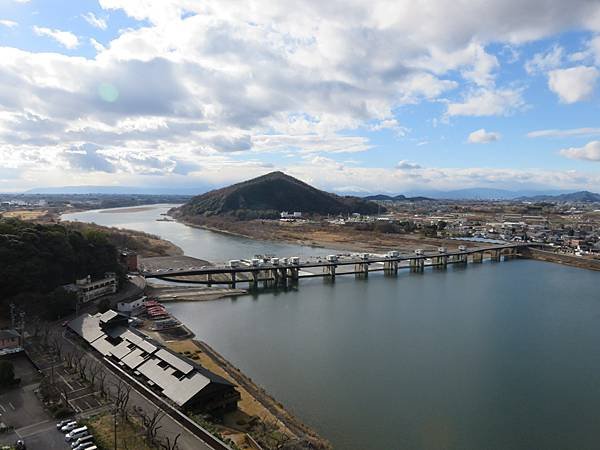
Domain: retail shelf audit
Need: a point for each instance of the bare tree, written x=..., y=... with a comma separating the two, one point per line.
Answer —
x=82, y=366
x=94, y=370
x=56, y=346
x=102, y=382
x=78, y=358
x=170, y=445
x=151, y=423
x=123, y=390
x=69, y=358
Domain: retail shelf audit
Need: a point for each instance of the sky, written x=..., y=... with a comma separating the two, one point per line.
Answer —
x=356, y=96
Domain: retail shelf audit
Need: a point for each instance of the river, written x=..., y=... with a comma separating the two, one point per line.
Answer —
x=492, y=356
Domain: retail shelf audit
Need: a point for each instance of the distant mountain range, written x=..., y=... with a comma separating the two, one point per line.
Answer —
x=581, y=196
x=396, y=198
x=266, y=196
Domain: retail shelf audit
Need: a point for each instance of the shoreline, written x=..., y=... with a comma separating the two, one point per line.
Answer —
x=256, y=405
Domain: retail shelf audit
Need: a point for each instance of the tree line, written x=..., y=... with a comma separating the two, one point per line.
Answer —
x=36, y=259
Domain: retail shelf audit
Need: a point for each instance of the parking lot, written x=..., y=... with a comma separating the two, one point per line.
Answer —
x=20, y=408
x=81, y=396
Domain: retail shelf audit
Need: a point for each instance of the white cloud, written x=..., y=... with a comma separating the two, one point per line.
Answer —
x=545, y=61
x=574, y=84
x=483, y=137
x=555, y=133
x=488, y=102
x=97, y=22
x=8, y=23
x=65, y=38
x=97, y=45
x=208, y=80
x=589, y=152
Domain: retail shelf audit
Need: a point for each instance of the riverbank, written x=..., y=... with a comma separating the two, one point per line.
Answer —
x=168, y=293
x=338, y=237
x=259, y=415
x=567, y=260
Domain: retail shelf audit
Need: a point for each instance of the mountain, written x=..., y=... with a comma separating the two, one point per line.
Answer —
x=396, y=198
x=581, y=196
x=266, y=196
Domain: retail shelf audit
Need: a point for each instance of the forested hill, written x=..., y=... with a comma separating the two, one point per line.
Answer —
x=268, y=195
x=36, y=259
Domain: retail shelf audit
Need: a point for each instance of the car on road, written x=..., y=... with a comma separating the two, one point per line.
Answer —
x=69, y=426
x=20, y=445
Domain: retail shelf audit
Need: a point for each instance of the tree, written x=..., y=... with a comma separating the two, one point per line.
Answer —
x=7, y=374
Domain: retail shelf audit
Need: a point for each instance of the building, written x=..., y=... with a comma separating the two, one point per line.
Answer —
x=129, y=259
x=88, y=290
x=132, y=306
x=10, y=342
x=180, y=380
x=294, y=215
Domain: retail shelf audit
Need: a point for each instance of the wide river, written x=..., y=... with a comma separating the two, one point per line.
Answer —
x=492, y=356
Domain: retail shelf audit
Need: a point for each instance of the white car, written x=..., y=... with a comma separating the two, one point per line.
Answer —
x=62, y=423
x=68, y=427
x=76, y=433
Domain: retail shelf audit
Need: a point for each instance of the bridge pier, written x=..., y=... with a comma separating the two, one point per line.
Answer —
x=478, y=257
x=233, y=277
x=417, y=264
x=495, y=255
x=440, y=262
x=390, y=267
x=209, y=279
x=254, y=281
x=330, y=269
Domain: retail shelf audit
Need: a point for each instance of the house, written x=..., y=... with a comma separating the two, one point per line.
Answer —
x=10, y=342
x=178, y=379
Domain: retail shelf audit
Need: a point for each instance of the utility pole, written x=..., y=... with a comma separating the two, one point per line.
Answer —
x=22, y=326
x=115, y=418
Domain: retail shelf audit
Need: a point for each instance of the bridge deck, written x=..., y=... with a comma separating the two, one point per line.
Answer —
x=314, y=267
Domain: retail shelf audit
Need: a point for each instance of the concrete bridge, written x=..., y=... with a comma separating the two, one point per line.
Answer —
x=281, y=272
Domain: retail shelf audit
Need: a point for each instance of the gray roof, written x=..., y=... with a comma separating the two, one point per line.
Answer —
x=178, y=379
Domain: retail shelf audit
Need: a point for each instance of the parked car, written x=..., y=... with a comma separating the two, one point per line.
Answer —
x=69, y=426
x=76, y=433
x=20, y=445
x=79, y=442
x=62, y=423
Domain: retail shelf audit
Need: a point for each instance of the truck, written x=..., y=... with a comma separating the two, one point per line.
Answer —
x=233, y=263
x=332, y=258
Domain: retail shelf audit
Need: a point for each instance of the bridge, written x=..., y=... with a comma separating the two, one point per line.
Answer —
x=281, y=272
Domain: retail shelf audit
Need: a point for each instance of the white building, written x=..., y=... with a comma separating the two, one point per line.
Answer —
x=294, y=215
x=132, y=306
x=88, y=290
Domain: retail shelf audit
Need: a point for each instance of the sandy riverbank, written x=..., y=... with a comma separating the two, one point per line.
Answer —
x=167, y=294
x=259, y=414
x=336, y=237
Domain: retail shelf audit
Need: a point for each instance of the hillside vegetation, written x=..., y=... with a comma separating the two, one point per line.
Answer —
x=36, y=259
x=266, y=196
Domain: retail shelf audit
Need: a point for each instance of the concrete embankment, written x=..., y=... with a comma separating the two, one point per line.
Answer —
x=567, y=260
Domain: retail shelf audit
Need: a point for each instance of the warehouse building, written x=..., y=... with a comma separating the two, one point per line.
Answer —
x=182, y=381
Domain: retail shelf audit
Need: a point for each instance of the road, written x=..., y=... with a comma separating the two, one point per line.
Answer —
x=170, y=427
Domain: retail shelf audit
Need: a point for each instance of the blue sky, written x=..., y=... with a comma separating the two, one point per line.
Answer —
x=387, y=96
